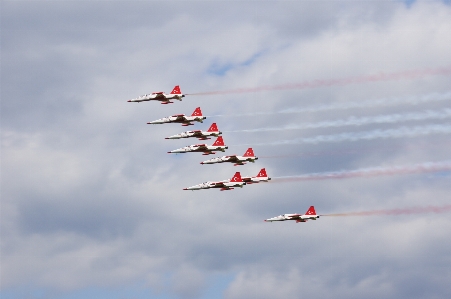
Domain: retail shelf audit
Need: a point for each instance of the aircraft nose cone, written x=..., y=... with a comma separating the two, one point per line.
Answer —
x=129, y=100
x=202, y=163
x=185, y=188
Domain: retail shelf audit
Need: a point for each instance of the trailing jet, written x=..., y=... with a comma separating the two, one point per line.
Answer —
x=309, y=215
x=181, y=118
x=234, y=182
x=261, y=177
x=238, y=160
x=175, y=94
x=201, y=135
x=218, y=145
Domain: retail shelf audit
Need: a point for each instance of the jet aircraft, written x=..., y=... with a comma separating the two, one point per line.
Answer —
x=181, y=118
x=261, y=177
x=309, y=215
x=201, y=135
x=218, y=145
x=175, y=94
x=238, y=160
x=234, y=182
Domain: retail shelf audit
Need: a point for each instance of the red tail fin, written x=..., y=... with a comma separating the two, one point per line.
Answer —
x=197, y=112
x=176, y=90
x=236, y=178
x=213, y=128
x=219, y=142
x=262, y=173
x=249, y=153
x=311, y=211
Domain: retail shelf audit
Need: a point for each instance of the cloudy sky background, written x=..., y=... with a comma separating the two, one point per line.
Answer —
x=92, y=206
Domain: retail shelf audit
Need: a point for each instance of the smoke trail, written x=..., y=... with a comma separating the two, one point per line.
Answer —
x=412, y=74
x=389, y=101
x=366, y=135
x=358, y=150
x=369, y=172
x=405, y=211
x=359, y=121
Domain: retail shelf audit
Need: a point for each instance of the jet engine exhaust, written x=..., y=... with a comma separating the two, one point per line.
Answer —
x=405, y=211
x=370, y=103
x=369, y=172
x=411, y=74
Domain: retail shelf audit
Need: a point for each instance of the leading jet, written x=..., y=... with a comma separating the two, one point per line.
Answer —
x=234, y=182
x=181, y=118
x=237, y=160
x=218, y=145
x=175, y=94
x=261, y=177
x=201, y=135
x=309, y=215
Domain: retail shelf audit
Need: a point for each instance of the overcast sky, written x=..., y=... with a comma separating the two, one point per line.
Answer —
x=92, y=205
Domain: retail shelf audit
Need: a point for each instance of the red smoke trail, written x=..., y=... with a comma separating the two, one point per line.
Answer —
x=406, y=211
x=369, y=172
x=412, y=74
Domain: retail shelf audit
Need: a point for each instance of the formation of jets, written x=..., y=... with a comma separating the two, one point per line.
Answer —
x=237, y=181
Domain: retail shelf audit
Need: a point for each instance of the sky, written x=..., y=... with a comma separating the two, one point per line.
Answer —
x=353, y=95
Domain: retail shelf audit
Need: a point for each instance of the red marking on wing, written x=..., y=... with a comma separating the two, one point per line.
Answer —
x=262, y=173
x=213, y=128
x=219, y=142
x=176, y=90
x=236, y=178
x=197, y=112
x=249, y=153
x=311, y=211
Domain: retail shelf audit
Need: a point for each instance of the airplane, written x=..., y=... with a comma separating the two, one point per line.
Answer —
x=238, y=160
x=261, y=177
x=218, y=145
x=201, y=135
x=234, y=182
x=181, y=118
x=309, y=215
x=175, y=94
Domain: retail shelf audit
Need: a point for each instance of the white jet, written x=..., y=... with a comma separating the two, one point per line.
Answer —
x=218, y=145
x=261, y=177
x=234, y=182
x=175, y=94
x=181, y=118
x=201, y=135
x=309, y=215
x=238, y=160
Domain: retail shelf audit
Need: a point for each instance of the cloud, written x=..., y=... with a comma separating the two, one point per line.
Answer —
x=91, y=200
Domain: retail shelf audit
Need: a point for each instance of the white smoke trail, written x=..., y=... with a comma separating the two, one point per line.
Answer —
x=367, y=135
x=369, y=172
x=359, y=121
x=389, y=101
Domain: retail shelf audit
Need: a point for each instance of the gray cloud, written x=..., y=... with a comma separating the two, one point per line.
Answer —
x=90, y=199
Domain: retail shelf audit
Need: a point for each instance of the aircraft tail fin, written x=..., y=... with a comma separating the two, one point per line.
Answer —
x=197, y=112
x=176, y=90
x=236, y=178
x=213, y=128
x=249, y=153
x=219, y=142
x=262, y=173
x=311, y=211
